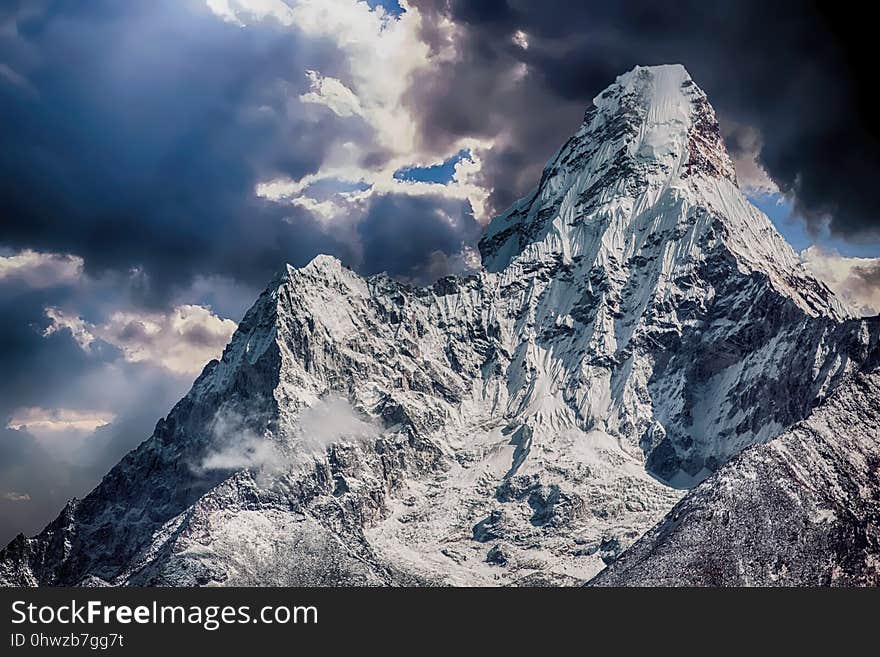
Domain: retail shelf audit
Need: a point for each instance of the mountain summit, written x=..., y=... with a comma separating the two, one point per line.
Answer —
x=637, y=325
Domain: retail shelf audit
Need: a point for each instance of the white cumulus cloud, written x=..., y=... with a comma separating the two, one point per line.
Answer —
x=50, y=420
x=855, y=280
x=40, y=270
x=14, y=496
x=331, y=93
x=383, y=53
x=181, y=340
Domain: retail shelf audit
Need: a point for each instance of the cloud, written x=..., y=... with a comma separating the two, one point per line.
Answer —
x=67, y=414
x=855, y=280
x=237, y=445
x=212, y=146
x=63, y=432
x=182, y=340
x=818, y=134
x=36, y=269
x=331, y=93
x=71, y=404
x=333, y=419
x=226, y=296
x=12, y=496
x=744, y=143
x=383, y=53
x=239, y=12
x=34, y=366
x=424, y=234
x=78, y=328
x=43, y=420
x=145, y=144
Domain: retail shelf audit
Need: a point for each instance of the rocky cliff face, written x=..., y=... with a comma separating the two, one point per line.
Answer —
x=636, y=325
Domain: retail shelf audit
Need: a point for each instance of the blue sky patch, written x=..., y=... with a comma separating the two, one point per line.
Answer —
x=794, y=228
x=438, y=173
x=391, y=6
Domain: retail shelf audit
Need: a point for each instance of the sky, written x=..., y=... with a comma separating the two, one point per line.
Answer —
x=162, y=159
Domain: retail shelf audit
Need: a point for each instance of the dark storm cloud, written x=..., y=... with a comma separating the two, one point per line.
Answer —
x=53, y=371
x=782, y=67
x=32, y=364
x=140, y=129
x=418, y=238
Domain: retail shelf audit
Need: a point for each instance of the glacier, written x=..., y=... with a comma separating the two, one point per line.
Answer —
x=637, y=334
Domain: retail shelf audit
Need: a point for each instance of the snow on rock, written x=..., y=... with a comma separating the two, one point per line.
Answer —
x=801, y=510
x=636, y=325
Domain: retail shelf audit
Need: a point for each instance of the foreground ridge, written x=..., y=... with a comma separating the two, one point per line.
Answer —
x=636, y=326
x=801, y=510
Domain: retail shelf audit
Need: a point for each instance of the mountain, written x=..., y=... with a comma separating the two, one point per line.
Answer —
x=636, y=325
x=800, y=510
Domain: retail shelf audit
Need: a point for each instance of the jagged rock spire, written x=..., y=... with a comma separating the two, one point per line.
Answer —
x=651, y=129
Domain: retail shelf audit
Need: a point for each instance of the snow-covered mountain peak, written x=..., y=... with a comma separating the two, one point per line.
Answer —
x=646, y=178
x=677, y=124
x=321, y=262
x=658, y=101
x=661, y=84
x=651, y=138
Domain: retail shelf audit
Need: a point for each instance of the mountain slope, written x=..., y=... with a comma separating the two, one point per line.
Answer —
x=802, y=510
x=636, y=324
